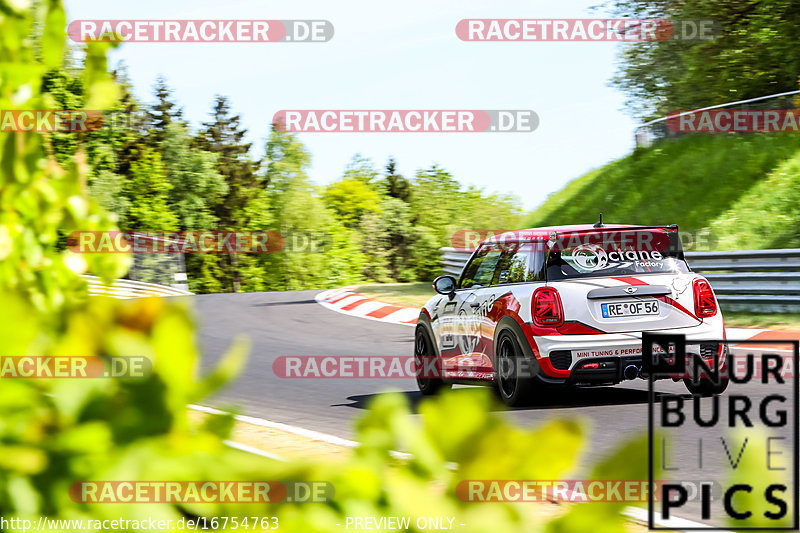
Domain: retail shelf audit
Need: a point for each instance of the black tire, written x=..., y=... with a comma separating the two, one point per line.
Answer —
x=424, y=350
x=514, y=386
x=706, y=387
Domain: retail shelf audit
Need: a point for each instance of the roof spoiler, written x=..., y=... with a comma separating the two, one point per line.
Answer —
x=555, y=234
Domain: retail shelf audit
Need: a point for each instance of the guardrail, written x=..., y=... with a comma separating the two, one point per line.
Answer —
x=766, y=281
x=125, y=288
x=454, y=261
x=649, y=132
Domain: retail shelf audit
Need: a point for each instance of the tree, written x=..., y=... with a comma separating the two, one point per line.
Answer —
x=375, y=246
x=161, y=114
x=361, y=168
x=397, y=217
x=224, y=136
x=319, y=250
x=351, y=199
x=147, y=190
x=66, y=91
x=435, y=198
x=196, y=184
x=425, y=257
x=756, y=54
x=440, y=208
x=295, y=209
x=388, y=237
x=64, y=87
x=395, y=184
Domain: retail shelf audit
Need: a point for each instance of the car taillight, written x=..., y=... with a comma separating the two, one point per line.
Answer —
x=546, y=307
x=705, y=305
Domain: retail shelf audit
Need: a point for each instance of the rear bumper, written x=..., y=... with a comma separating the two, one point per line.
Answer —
x=562, y=358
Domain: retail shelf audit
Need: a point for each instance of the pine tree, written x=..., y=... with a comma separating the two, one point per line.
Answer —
x=224, y=136
x=396, y=185
x=163, y=113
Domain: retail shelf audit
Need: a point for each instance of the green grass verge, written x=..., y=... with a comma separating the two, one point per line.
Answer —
x=765, y=320
x=405, y=294
x=767, y=216
x=722, y=181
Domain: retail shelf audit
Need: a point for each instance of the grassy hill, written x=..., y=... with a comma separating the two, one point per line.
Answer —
x=744, y=188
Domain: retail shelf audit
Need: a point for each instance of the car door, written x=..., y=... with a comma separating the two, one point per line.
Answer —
x=462, y=344
x=518, y=272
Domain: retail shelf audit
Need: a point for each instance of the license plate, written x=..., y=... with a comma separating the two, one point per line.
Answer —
x=634, y=308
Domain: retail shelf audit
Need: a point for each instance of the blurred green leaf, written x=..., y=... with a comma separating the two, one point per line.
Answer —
x=54, y=35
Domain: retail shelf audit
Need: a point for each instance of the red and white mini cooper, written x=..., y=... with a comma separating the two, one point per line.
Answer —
x=564, y=306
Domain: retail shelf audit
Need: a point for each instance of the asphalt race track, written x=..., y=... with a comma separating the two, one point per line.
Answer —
x=292, y=323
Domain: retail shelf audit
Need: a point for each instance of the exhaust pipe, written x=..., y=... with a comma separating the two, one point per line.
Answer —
x=631, y=372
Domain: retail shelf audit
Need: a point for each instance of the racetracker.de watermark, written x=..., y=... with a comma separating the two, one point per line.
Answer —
x=73, y=367
x=625, y=240
x=396, y=366
x=565, y=490
x=735, y=121
x=70, y=120
x=204, y=491
x=200, y=31
x=406, y=120
x=196, y=242
x=592, y=30
x=356, y=366
x=469, y=239
x=50, y=120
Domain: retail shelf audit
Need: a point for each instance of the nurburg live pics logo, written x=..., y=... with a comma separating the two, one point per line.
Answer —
x=697, y=436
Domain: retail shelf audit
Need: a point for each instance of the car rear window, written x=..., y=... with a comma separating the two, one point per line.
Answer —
x=622, y=254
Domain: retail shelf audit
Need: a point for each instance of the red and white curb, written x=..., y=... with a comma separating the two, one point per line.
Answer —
x=349, y=302
x=754, y=335
x=345, y=300
x=743, y=334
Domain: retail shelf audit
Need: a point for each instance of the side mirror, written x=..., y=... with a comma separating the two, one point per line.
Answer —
x=445, y=284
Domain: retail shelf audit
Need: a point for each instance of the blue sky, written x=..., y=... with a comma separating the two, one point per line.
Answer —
x=403, y=55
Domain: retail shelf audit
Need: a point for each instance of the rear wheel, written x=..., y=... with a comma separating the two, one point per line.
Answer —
x=426, y=367
x=514, y=386
x=706, y=387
